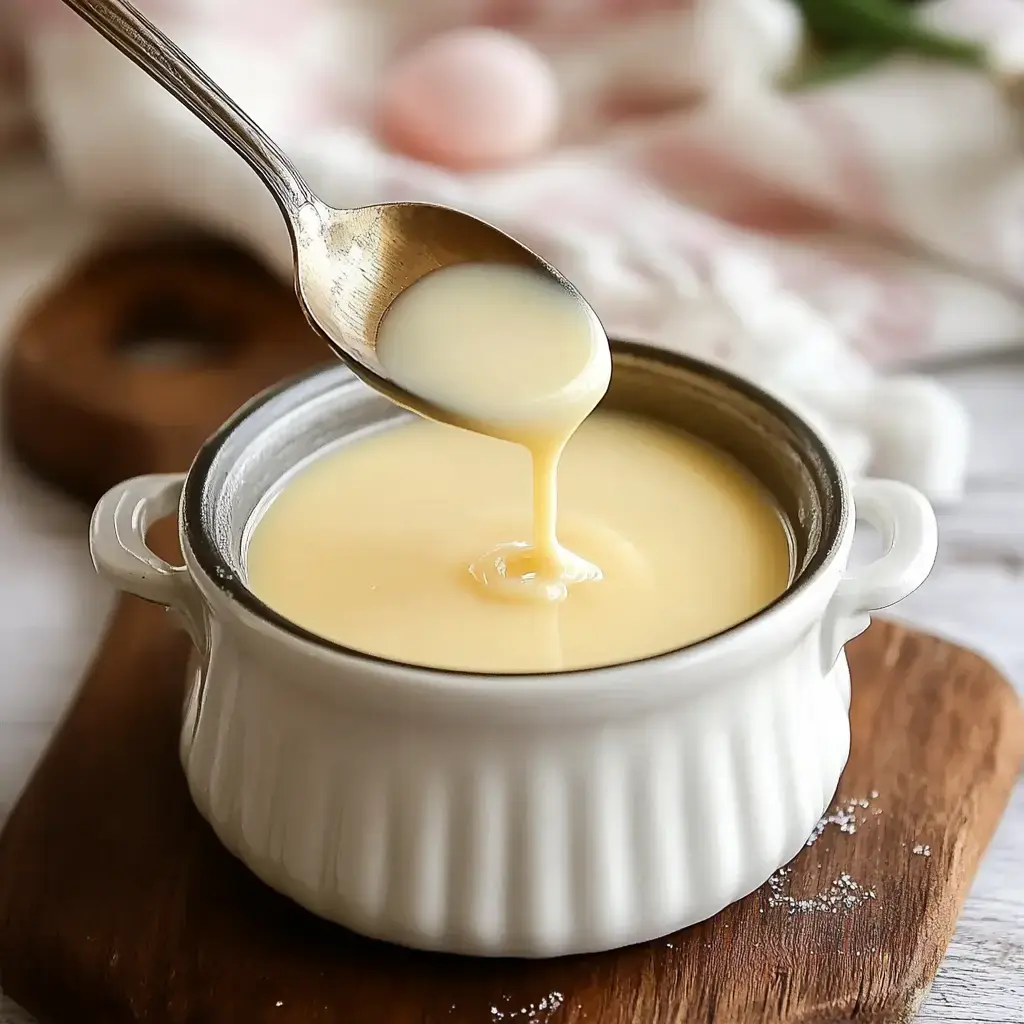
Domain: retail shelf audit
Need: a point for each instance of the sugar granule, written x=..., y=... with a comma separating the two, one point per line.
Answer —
x=922, y=850
x=844, y=817
x=546, y=1006
x=842, y=895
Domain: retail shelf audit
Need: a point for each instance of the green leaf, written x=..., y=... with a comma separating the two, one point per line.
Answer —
x=840, y=26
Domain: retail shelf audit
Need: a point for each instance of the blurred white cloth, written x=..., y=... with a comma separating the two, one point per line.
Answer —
x=805, y=240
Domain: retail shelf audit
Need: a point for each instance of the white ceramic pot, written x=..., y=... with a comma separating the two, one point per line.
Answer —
x=503, y=815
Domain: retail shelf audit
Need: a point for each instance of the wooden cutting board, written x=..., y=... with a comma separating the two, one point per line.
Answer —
x=118, y=905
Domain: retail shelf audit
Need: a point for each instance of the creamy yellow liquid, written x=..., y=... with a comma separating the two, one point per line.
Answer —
x=509, y=353
x=371, y=546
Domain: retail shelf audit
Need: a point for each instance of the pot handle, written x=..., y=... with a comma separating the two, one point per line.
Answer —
x=906, y=521
x=117, y=542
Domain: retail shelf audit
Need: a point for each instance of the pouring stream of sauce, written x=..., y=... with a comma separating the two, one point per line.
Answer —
x=510, y=354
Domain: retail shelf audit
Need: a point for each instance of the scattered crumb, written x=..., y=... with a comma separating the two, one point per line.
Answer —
x=922, y=850
x=842, y=895
x=545, y=1006
x=844, y=817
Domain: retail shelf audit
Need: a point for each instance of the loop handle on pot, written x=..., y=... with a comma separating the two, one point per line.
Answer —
x=117, y=542
x=906, y=522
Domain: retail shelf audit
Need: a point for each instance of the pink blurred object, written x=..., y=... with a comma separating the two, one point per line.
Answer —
x=469, y=99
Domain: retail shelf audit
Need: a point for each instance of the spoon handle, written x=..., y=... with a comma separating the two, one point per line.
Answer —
x=164, y=61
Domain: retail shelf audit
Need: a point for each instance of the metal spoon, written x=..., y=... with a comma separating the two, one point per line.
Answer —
x=349, y=264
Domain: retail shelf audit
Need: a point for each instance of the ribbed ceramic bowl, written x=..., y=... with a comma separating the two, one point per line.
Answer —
x=515, y=815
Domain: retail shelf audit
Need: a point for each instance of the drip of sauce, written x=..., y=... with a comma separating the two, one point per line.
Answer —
x=506, y=352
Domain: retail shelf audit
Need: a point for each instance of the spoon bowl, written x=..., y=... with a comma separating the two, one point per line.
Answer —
x=371, y=256
x=350, y=265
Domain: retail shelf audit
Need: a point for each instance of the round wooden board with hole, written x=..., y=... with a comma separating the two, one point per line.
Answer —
x=140, y=353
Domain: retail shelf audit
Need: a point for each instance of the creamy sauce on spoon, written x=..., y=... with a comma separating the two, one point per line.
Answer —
x=509, y=353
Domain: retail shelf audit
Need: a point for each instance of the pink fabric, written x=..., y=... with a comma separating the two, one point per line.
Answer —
x=891, y=205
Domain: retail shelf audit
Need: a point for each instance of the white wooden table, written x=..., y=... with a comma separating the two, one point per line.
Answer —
x=52, y=611
x=976, y=597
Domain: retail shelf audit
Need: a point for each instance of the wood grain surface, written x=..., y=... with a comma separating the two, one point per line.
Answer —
x=117, y=905
x=644, y=976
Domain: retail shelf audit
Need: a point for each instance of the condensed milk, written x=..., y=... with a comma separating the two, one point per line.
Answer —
x=370, y=545
x=436, y=545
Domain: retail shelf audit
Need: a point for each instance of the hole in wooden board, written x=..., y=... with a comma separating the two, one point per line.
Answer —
x=164, y=332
